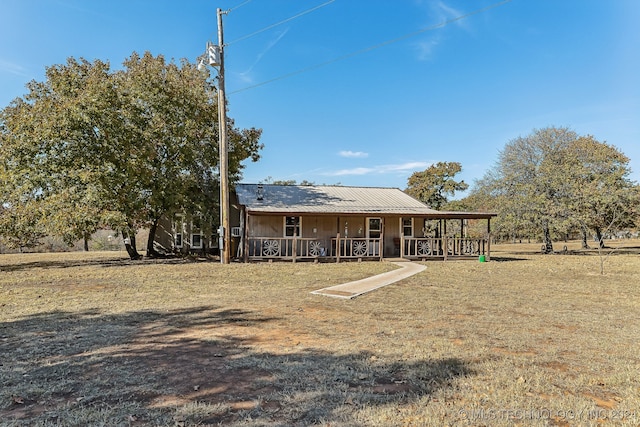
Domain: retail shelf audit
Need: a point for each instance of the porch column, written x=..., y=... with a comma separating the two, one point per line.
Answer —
x=294, y=246
x=381, y=243
x=245, y=233
x=488, y=239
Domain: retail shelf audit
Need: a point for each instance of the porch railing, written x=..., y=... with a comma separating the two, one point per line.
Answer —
x=302, y=247
x=292, y=248
x=287, y=247
x=346, y=247
x=443, y=247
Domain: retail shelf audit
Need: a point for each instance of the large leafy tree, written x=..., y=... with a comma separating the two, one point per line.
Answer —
x=601, y=196
x=97, y=147
x=48, y=145
x=436, y=184
x=554, y=181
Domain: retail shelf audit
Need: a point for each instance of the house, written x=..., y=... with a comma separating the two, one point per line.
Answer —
x=294, y=222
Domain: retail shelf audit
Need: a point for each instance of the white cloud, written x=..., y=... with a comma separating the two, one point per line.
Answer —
x=354, y=171
x=12, y=68
x=381, y=169
x=439, y=14
x=353, y=154
x=405, y=167
x=245, y=75
x=445, y=13
x=426, y=48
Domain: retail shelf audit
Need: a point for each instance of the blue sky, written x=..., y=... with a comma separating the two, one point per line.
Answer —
x=338, y=103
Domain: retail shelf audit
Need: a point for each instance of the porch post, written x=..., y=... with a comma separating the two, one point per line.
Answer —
x=444, y=237
x=445, y=245
x=245, y=233
x=294, y=246
x=488, y=239
x=338, y=248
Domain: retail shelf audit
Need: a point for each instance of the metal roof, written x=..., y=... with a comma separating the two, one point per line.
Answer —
x=327, y=199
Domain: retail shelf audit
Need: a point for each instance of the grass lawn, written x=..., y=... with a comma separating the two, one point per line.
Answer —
x=92, y=339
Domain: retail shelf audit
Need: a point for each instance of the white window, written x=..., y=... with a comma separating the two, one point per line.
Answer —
x=292, y=226
x=407, y=227
x=178, y=230
x=196, y=233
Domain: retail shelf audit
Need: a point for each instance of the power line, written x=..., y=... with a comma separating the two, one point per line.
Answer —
x=279, y=23
x=239, y=6
x=377, y=46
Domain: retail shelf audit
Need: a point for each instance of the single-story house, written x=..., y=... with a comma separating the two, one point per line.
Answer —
x=300, y=222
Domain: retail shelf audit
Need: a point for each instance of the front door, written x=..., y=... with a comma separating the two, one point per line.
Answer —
x=374, y=233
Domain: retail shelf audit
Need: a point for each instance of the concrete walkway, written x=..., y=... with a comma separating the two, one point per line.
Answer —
x=362, y=286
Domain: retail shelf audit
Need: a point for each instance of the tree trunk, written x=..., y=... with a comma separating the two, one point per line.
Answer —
x=599, y=237
x=548, y=244
x=151, y=252
x=585, y=245
x=86, y=243
x=130, y=245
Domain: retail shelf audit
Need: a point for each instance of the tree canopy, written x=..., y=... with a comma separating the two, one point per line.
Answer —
x=553, y=182
x=436, y=184
x=91, y=147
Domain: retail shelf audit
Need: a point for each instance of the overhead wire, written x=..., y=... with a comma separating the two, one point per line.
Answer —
x=231, y=10
x=239, y=6
x=278, y=23
x=377, y=46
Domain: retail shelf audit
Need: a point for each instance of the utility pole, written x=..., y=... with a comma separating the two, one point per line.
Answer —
x=223, y=151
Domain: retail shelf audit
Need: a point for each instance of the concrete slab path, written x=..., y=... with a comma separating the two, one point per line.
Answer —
x=353, y=289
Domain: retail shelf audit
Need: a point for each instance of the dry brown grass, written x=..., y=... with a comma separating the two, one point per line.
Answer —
x=526, y=339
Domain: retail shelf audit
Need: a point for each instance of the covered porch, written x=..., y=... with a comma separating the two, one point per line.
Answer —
x=334, y=223
x=396, y=239
x=349, y=248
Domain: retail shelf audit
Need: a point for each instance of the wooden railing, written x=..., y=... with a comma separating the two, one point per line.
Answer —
x=292, y=248
x=355, y=248
x=287, y=247
x=309, y=248
x=444, y=247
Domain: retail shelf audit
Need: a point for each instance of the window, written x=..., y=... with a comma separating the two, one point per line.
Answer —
x=196, y=233
x=292, y=226
x=407, y=227
x=178, y=230
x=375, y=228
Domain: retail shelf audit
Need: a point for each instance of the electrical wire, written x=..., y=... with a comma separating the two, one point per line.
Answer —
x=377, y=46
x=239, y=6
x=279, y=23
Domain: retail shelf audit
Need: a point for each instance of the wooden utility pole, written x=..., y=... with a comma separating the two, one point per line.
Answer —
x=223, y=151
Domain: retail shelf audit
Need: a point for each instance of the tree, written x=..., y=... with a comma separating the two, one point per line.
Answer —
x=57, y=140
x=554, y=181
x=601, y=195
x=528, y=182
x=121, y=148
x=22, y=225
x=436, y=184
